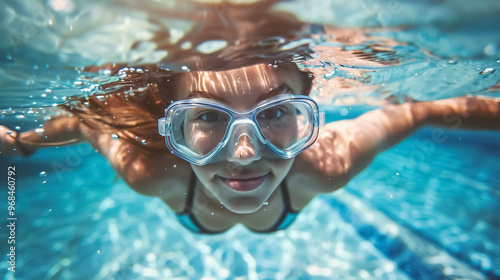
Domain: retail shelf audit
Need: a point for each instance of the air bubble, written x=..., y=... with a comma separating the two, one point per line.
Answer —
x=115, y=137
x=452, y=62
x=488, y=71
x=175, y=165
x=144, y=142
x=43, y=173
x=266, y=203
x=40, y=131
x=185, y=68
x=344, y=112
x=17, y=128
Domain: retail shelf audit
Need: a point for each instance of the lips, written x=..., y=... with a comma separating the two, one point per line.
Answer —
x=243, y=183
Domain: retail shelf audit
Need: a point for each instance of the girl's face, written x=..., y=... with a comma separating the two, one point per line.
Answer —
x=245, y=174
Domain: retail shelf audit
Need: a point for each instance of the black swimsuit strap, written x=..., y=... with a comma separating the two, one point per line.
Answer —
x=285, y=194
x=188, y=206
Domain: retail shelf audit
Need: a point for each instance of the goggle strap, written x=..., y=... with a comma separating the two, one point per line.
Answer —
x=161, y=126
x=321, y=119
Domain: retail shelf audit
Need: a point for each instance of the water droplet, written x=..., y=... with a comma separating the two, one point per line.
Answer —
x=50, y=210
x=144, y=142
x=212, y=213
x=185, y=68
x=491, y=49
x=175, y=165
x=344, y=112
x=488, y=71
x=391, y=196
x=275, y=66
x=115, y=136
x=98, y=251
x=9, y=132
x=397, y=173
x=452, y=62
x=40, y=131
x=136, y=138
x=43, y=173
x=44, y=182
x=266, y=203
x=44, y=95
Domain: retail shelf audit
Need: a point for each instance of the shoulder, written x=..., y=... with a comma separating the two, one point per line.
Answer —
x=325, y=166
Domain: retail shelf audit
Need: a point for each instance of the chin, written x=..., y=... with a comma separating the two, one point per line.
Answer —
x=243, y=206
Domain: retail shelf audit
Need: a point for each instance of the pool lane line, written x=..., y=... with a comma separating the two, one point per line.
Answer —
x=413, y=254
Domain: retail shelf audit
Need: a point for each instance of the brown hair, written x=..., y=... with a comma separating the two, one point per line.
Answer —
x=131, y=106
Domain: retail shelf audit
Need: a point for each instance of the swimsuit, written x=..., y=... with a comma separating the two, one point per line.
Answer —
x=189, y=220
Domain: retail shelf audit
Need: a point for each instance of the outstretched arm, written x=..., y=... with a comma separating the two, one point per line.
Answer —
x=59, y=131
x=345, y=148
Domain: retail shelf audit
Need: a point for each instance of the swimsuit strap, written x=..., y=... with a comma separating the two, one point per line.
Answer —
x=188, y=206
x=285, y=194
x=188, y=209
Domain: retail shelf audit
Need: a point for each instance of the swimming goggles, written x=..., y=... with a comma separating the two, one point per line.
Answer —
x=198, y=129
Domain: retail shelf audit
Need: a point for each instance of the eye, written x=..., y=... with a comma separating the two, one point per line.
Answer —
x=211, y=116
x=272, y=113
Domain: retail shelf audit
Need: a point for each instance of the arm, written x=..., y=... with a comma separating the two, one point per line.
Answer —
x=345, y=148
x=59, y=131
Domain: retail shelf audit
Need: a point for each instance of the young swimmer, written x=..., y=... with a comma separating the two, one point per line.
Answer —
x=247, y=144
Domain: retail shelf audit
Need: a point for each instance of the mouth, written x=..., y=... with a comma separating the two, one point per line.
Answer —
x=243, y=183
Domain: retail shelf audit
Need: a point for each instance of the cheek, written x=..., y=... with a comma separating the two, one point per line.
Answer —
x=204, y=173
x=281, y=134
x=203, y=140
x=281, y=167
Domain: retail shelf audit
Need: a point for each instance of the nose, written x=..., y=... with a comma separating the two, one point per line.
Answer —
x=245, y=151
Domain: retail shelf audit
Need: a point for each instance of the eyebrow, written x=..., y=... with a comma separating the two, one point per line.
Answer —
x=204, y=94
x=283, y=88
x=273, y=92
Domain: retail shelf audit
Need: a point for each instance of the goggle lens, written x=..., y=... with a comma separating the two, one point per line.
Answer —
x=198, y=129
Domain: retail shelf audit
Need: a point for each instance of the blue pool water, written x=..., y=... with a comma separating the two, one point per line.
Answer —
x=436, y=220
x=424, y=209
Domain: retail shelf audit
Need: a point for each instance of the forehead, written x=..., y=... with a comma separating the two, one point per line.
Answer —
x=239, y=88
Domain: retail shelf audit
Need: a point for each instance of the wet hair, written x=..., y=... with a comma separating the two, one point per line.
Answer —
x=131, y=106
